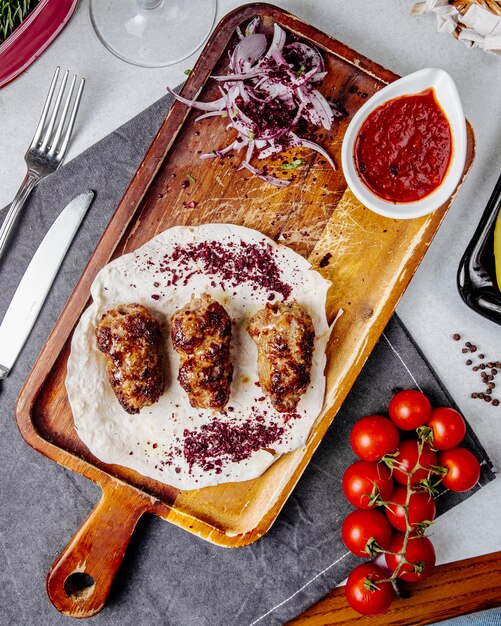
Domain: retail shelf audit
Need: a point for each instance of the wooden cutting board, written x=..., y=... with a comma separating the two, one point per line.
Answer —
x=369, y=259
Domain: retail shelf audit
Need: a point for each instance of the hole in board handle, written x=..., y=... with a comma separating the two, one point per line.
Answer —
x=79, y=585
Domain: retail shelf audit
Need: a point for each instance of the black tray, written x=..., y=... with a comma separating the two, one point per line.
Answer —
x=476, y=277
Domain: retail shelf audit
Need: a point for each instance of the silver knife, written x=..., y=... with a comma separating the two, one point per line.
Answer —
x=37, y=280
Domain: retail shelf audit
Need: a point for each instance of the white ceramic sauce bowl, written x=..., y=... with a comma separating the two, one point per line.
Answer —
x=448, y=98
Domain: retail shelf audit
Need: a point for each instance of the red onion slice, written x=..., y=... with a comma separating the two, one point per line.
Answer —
x=306, y=56
x=220, y=153
x=271, y=84
x=238, y=76
x=251, y=27
x=278, y=41
x=314, y=146
x=211, y=114
x=278, y=182
x=215, y=105
x=316, y=107
x=248, y=51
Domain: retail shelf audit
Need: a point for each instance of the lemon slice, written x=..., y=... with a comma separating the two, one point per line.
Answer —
x=497, y=249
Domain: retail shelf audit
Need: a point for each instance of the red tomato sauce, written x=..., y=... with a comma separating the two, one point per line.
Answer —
x=404, y=147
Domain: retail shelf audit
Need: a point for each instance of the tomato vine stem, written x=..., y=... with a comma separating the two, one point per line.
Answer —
x=391, y=461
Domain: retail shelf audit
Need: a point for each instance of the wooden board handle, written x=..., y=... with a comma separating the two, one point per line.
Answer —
x=80, y=579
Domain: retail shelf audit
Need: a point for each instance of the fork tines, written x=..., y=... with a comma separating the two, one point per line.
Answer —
x=45, y=140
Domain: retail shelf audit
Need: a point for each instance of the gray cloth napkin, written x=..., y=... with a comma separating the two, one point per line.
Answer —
x=170, y=577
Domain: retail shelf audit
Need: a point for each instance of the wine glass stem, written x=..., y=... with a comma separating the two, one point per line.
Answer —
x=150, y=4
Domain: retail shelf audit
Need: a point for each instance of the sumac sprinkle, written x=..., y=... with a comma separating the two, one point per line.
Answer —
x=233, y=263
x=233, y=442
x=324, y=261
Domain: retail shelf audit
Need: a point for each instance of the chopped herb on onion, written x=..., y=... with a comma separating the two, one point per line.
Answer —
x=293, y=165
x=267, y=91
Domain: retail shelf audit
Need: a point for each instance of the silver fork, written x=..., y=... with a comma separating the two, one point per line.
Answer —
x=48, y=149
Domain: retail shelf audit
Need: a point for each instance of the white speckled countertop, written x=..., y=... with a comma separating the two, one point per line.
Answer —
x=431, y=308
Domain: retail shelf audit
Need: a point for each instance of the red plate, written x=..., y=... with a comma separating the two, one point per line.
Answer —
x=31, y=38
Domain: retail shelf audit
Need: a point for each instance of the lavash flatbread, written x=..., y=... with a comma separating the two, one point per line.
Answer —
x=154, y=442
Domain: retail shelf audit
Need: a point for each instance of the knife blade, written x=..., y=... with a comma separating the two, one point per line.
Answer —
x=37, y=280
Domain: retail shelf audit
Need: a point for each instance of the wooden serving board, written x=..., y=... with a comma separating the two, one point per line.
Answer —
x=370, y=260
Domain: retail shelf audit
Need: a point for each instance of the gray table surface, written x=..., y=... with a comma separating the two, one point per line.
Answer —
x=431, y=307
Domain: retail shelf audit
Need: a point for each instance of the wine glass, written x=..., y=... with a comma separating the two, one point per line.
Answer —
x=152, y=33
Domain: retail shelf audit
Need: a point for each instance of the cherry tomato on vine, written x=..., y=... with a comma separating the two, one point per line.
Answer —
x=421, y=508
x=361, y=527
x=448, y=428
x=463, y=469
x=361, y=479
x=407, y=459
x=419, y=551
x=374, y=436
x=409, y=409
x=365, y=594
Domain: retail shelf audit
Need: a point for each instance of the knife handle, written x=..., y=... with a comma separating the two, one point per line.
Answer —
x=80, y=579
x=29, y=182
